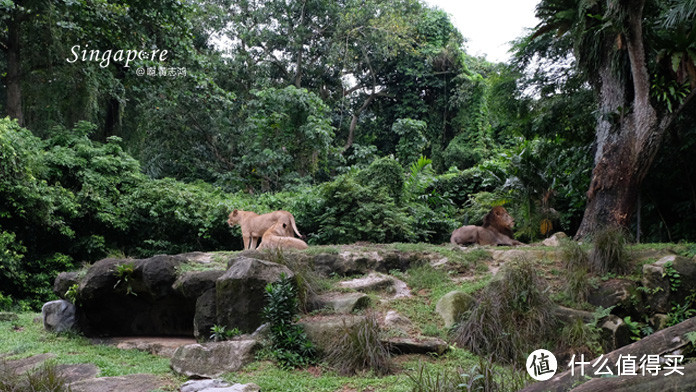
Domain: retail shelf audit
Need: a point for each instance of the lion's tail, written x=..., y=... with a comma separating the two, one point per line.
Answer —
x=294, y=227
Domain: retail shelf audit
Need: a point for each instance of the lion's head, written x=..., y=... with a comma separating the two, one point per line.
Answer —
x=500, y=220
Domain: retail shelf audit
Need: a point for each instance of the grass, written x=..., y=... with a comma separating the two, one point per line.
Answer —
x=24, y=338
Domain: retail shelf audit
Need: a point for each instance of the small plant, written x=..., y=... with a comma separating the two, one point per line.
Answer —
x=72, y=293
x=634, y=327
x=681, y=312
x=219, y=333
x=609, y=253
x=124, y=273
x=289, y=344
x=360, y=348
x=673, y=276
x=581, y=338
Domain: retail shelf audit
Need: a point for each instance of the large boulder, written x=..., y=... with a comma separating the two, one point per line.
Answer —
x=200, y=286
x=64, y=281
x=669, y=280
x=241, y=292
x=210, y=360
x=340, y=302
x=453, y=305
x=614, y=292
x=324, y=330
x=141, y=302
x=59, y=316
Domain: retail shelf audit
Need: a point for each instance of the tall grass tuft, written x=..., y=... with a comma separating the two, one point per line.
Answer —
x=360, y=348
x=576, y=268
x=46, y=378
x=609, y=252
x=513, y=317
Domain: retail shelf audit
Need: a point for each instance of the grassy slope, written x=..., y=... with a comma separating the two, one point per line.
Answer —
x=466, y=271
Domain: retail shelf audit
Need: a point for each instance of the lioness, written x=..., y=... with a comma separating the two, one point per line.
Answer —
x=496, y=230
x=275, y=238
x=254, y=225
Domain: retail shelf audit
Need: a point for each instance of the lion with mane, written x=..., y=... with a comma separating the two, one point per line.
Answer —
x=496, y=230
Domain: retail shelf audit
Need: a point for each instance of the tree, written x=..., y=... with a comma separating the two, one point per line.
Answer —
x=617, y=52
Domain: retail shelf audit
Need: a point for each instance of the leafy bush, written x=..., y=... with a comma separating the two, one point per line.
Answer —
x=360, y=348
x=412, y=140
x=353, y=212
x=289, y=344
x=384, y=173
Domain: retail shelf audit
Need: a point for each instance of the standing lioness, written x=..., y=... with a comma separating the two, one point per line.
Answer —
x=254, y=225
x=275, y=238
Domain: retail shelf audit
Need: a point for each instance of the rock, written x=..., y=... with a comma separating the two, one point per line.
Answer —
x=130, y=383
x=657, y=288
x=669, y=280
x=516, y=254
x=58, y=316
x=615, y=333
x=77, y=372
x=658, y=321
x=64, y=281
x=376, y=281
x=393, y=320
x=322, y=331
x=193, y=283
x=568, y=315
x=452, y=305
x=205, y=316
x=209, y=360
x=401, y=346
x=160, y=346
x=241, y=292
x=614, y=292
x=554, y=240
x=142, y=303
x=341, y=302
x=345, y=263
x=217, y=385
x=21, y=366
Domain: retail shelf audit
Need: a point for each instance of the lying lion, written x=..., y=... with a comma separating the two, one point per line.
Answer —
x=255, y=225
x=496, y=230
x=275, y=238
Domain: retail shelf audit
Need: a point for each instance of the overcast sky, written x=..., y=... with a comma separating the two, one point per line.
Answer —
x=489, y=25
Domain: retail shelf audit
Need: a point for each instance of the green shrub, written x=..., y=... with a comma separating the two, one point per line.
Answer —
x=219, y=333
x=384, y=173
x=353, y=212
x=360, y=348
x=289, y=344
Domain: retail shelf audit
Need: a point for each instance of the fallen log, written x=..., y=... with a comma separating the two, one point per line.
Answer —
x=671, y=383
x=662, y=342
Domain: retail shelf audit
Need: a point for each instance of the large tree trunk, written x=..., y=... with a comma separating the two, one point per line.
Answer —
x=628, y=133
x=14, y=80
